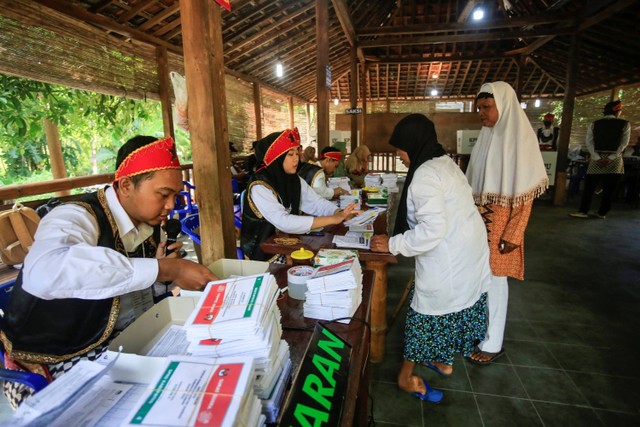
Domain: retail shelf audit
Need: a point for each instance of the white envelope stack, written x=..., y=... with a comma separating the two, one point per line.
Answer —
x=334, y=292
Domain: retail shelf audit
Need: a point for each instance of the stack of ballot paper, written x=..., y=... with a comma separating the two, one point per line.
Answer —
x=239, y=317
x=334, y=292
x=352, y=240
x=354, y=196
x=372, y=180
x=341, y=182
x=390, y=181
x=366, y=217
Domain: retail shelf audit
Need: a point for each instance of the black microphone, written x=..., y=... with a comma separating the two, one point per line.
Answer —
x=172, y=227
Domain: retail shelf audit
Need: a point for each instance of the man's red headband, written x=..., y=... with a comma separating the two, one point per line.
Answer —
x=335, y=155
x=287, y=140
x=156, y=156
x=617, y=107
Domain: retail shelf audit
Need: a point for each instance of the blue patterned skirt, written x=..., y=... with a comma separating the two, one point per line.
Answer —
x=438, y=338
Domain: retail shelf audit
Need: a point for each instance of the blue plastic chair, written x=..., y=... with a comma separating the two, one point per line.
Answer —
x=190, y=223
x=35, y=381
x=184, y=205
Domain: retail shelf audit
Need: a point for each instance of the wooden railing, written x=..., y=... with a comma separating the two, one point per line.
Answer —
x=9, y=193
x=383, y=162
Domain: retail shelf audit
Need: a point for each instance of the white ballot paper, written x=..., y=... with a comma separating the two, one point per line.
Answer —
x=197, y=391
x=366, y=217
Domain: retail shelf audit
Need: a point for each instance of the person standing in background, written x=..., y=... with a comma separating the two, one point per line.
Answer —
x=317, y=173
x=606, y=140
x=506, y=173
x=548, y=133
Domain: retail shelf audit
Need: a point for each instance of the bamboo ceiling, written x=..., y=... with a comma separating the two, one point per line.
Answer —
x=410, y=47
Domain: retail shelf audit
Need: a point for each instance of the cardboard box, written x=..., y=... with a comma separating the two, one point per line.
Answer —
x=550, y=159
x=224, y=267
x=466, y=139
x=142, y=334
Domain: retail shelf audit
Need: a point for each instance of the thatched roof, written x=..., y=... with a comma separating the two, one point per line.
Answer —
x=405, y=44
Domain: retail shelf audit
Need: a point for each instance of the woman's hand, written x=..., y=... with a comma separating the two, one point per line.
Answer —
x=380, y=243
x=341, y=215
x=507, y=247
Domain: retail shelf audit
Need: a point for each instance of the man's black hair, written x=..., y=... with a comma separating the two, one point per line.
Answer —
x=608, y=108
x=129, y=147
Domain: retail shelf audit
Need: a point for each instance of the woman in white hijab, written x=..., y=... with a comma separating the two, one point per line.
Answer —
x=506, y=173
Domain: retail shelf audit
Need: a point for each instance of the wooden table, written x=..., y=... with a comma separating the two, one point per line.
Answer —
x=375, y=261
x=297, y=331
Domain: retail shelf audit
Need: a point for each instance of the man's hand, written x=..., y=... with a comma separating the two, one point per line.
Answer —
x=161, y=250
x=507, y=247
x=380, y=243
x=186, y=274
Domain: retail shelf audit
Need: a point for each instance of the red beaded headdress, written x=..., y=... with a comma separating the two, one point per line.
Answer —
x=158, y=155
x=335, y=155
x=287, y=140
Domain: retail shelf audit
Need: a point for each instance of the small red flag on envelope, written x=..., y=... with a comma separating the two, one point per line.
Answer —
x=225, y=3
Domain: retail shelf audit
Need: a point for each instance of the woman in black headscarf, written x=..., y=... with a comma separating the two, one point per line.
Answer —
x=276, y=196
x=438, y=224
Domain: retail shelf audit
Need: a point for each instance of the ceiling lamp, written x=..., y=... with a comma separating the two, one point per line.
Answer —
x=279, y=69
x=336, y=101
x=434, y=92
x=478, y=14
x=523, y=105
x=435, y=76
x=537, y=103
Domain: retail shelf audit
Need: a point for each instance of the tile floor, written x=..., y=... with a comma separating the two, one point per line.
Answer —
x=570, y=337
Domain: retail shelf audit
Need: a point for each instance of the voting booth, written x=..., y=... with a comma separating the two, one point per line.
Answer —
x=466, y=140
x=550, y=159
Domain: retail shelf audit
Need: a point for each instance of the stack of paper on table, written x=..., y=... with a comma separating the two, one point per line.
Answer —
x=372, y=180
x=366, y=217
x=333, y=256
x=352, y=240
x=339, y=182
x=354, y=196
x=334, y=292
x=390, y=181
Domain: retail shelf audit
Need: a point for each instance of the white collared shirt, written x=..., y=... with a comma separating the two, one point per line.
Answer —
x=65, y=261
x=281, y=217
x=319, y=184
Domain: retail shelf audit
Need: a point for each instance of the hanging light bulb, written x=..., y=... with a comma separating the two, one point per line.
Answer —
x=478, y=14
x=434, y=92
x=336, y=101
x=279, y=69
x=523, y=105
x=537, y=103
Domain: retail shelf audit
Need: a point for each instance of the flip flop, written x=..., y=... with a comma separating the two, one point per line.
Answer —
x=493, y=357
x=430, y=365
x=430, y=395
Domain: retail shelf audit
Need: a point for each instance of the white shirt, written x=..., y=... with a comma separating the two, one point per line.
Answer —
x=274, y=212
x=65, y=261
x=624, y=141
x=319, y=184
x=447, y=237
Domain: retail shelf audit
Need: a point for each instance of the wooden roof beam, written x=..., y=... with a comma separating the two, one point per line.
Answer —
x=175, y=8
x=107, y=24
x=342, y=11
x=466, y=11
x=600, y=16
x=136, y=9
x=463, y=38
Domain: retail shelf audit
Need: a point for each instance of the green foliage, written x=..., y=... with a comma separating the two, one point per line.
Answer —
x=89, y=124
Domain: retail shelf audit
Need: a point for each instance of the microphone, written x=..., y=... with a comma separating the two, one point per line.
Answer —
x=172, y=227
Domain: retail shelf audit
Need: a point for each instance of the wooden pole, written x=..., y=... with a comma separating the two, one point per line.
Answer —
x=322, y=63
x=363, y=94
x=165, y=91
x=615, y=91
x=520, y=64
x=55, y=154
x=567, y=120
x=353, y=96
x=204, y=69
x=257, y=106
x=291, y=113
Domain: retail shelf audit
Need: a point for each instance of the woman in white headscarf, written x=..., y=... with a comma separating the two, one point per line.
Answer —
x=506, y=173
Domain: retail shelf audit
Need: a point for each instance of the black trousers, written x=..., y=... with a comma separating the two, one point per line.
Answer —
x=609, y=182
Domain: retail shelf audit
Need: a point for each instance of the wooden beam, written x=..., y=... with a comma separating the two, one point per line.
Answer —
x=257, y=109
x=342, y=11
x=134, y=10
x=107, y=24
x=171, y=10
x=322, y=62
x=607, y=12
x=203, y=57
x=353, y=95
x=58, y=170
x=449, y=27
x=165, y=91
x=567, y=120
x=462, y=38
x=466, y=11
